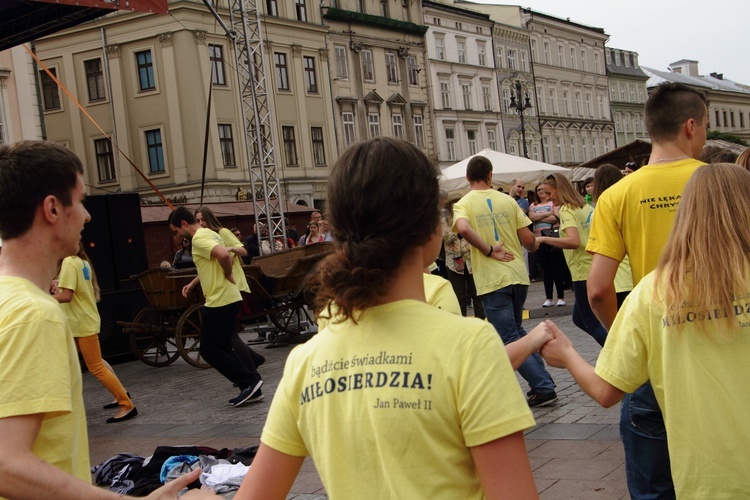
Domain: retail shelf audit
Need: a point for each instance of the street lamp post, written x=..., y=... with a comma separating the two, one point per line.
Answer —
x=520, y=105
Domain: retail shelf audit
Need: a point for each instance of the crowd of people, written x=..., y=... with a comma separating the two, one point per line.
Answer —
x=659, y=262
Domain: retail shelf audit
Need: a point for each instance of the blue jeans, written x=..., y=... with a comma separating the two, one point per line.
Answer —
x=645, y=441
x=504, y=310
x=583, y=317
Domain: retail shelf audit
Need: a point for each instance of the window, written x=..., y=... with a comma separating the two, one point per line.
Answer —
x=373, y=119
x=596, y=62
x=155, y=150
x=545, y=144
x=318, y=147
x=412, y=71
x=311, y=80
x=368, y=69
x=589, y=106
x=583, y=61
x=479, y=30
x=506, y=98
x=398, y=125
x=491, y=139
x=626, y=57
x=145, y=70
x=606, y=144
x=553, y=101
x=534, y=54
x=636, y=123
x=613, y=92
x=290, y=146
x=500, y=57
x=566, y=100
x=361, y=6
x=487, y=97
x=459, y=26
x=596, y=146
x=579, y=104
x=466, y=91
x=573, y=155
x=445, y=95
x=724, y=114
x=524, y=65
x=384, y=8
x=558, y=143
x=622, y=92
x=440, y=48
x=301, y=9
x=540, y=96
x=609, y=57
x=627, y=122
x=282, y=76
x=436, y=20
x=640, y=94
x=471, y=139
x=601, y=108
x=216, y=55
x=390, y=67
x=349, y=136
x=49, y=90
x=632, y=93
x=105, y=162
x=461, y=48
x=511, y=59
x=342, y=64
x=482, y=53
x=95, y=80
x=585, y=149
x=560, y=57
x=546, y=53
x=450, y=143
x=618, y=122
x=573, y=58
x=226, y=144
x=419, y=130
x=535, y=152
x=271, y=8
x=718, y=121
x=742, y=120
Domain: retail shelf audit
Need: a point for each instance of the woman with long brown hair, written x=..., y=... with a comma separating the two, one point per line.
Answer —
x=575, y=224
x=394, y=398
x=686, y=328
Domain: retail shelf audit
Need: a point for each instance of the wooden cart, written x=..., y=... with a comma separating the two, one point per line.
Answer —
x=170, y=326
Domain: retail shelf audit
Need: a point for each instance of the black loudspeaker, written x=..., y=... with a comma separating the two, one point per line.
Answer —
x=115, y=244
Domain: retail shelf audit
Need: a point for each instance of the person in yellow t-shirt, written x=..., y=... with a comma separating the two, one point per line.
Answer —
x=686, y=328
x=496, y=227
x=575, y=224
x=634, y=218
x=78, y=292
x=215, y=271
x=375, y=397
x=44, y=451
x=439, y=293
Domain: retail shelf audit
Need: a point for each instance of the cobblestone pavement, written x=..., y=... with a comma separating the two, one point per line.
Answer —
x=574, y=449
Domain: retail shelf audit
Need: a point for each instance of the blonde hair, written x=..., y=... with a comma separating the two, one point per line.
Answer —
x=566, y=193
x=705, y=261
x=743, y=160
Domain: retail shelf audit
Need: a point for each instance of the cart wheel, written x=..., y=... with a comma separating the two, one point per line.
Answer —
x=154, y=344
x=291, y=318
x=189, y=336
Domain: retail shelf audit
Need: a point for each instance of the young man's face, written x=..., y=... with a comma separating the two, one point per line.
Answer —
x=179, y=232
x=519, y=189
x=74, y=217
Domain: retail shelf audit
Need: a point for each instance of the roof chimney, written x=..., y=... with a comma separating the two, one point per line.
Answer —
x=685, y=66
x=718, y=76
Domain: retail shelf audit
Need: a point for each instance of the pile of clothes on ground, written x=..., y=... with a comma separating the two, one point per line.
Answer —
x=129, y=474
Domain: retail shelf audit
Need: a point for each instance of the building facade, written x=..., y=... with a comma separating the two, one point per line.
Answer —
x=146, y=80
x=627, y=95
x=377, y=61
x=729, y=102
x=19, y=97
x=463, y=83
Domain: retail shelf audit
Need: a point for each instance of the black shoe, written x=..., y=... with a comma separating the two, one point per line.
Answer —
x=246, y=394
x=131, y=414
x=109, y=406
x=537, y=399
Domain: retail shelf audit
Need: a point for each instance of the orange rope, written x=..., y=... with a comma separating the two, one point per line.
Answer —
x=78, y=104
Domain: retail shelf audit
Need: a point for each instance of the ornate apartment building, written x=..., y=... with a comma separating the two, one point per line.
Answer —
x=729, y=102
x=463, y=82
x=627, y=95
x=19, y=109
x=377, y=61
x=146, y=80
x=571, y=87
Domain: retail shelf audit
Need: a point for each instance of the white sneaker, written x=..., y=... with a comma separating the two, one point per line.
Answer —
x=560, y=302
x=548, y=303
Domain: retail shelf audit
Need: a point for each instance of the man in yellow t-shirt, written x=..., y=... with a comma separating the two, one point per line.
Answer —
x=44, y=447
x=634, y=218
x=495, y=227
x=214, y=265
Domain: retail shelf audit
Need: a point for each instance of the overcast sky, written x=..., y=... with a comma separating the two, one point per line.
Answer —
x=714, y=33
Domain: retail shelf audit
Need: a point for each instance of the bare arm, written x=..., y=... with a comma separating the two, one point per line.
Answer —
x=528, y=240
x=64, y=295
x=601, y=289
x=527, y=345
x=571, y=240
x=468, y=233
x=238, y=250
x=189, y=287
x=224, y=258
x=24, y=475
x=271, y=475
x=542, y=216
x=560, y=353
x=503, y=468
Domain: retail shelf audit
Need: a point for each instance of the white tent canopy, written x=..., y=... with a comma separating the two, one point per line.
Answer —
x=505, y=168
